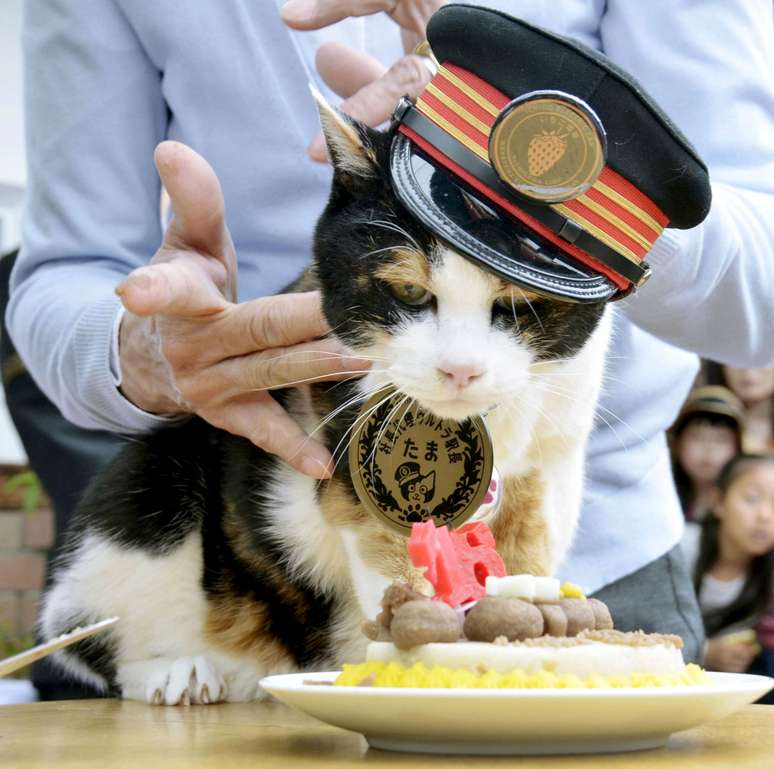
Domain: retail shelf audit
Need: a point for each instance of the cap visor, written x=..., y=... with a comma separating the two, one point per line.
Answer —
x=487, y=235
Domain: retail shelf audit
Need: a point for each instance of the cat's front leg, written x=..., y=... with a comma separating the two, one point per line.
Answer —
x=368, y=583
x=161, y=681
x=520, y=525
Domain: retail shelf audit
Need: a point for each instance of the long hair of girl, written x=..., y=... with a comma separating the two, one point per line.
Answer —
x=757, y=591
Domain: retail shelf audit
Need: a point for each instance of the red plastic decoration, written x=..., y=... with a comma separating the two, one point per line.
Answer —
x=456, y=562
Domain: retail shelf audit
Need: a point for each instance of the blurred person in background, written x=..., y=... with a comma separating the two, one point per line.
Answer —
x=705, y=436
x=755, y=388
x=731, y=558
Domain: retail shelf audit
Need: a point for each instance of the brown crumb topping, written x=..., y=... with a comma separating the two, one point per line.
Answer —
x=552, y=642
x=635, y=638
x=616, y=637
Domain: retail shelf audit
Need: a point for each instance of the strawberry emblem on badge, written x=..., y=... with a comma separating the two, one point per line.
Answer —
x=544, y=151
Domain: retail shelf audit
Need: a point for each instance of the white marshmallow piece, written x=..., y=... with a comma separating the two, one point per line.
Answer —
x=547, y=589
x=491, y=585
x=517, y=586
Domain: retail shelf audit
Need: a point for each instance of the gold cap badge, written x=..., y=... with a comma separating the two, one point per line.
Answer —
x=548, y=146
x=409, y=466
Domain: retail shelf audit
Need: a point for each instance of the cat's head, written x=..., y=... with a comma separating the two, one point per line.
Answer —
x=452, y=335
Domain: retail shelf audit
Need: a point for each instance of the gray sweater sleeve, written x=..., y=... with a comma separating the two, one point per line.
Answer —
x=94, y=113
x=710, y=66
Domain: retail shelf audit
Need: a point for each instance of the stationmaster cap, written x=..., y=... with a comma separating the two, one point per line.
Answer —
x=540, y=160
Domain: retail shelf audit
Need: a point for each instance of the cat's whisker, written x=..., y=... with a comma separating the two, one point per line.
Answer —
x=382, y=250
x=515, y=317
x=356, y=424
x=515, y=406
x=393, y=227
x=361, y=396
x=342, y=450
x=383, y=428
x=597, y=414
x=338, y=410
x=397, y=427
x=580, y=375
x=327, y=355
x=559, y=390
x=531, y=307
x=324, y=378
x=562, y=433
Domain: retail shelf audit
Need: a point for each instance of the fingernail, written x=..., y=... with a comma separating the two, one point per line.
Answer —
x=318, y=149
x=140, y=280
x=315, y=468
x=356, y=364
x=297, y=10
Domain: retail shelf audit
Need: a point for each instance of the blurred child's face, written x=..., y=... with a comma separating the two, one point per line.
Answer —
x=751, y=384
x=747, y=510
x=703, y=448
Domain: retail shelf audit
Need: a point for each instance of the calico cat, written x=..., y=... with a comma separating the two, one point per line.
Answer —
x=224, y=564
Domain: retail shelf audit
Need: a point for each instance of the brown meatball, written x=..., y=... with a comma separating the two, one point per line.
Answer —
x=602, y=618
x=510, y=617
x=394, y=596
x=554, y=619
x=579, y=615
x=424, y=622
x=375, y=630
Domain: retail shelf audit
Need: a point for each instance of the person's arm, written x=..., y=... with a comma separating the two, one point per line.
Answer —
x=710, y=65
x=94, y=114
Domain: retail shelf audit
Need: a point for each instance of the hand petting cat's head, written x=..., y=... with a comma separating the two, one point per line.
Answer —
x=441, y=329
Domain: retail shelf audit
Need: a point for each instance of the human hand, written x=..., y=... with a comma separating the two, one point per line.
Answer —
x=370, y=90
x=186, y=347
x=410, y=15
x=729, y=656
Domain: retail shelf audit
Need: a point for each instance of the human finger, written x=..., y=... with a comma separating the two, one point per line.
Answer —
x=272, y=321
x=314, y=14
x=375, y=102
x=317, y=361
x=180, y=287
x=264, y=422
x=344, y=70
x=411, y=15
x=196, y=198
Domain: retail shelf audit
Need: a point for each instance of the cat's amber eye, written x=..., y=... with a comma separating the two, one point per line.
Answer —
x=412, y=294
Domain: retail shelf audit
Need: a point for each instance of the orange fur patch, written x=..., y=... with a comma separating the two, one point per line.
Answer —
x=237, y=622
x=518, y=294
x=408, y=267
x=238, y=625
x=308, y=280
x=381, y=549
x=519, y=528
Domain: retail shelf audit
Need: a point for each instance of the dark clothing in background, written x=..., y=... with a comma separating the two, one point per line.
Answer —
x=64, y=457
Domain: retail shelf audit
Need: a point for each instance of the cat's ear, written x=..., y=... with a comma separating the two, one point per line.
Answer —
x=347, y=140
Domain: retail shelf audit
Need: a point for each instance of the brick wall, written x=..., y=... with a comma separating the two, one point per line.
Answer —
x=25, y=538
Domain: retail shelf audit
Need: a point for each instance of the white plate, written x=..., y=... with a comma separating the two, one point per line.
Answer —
x=517, y=721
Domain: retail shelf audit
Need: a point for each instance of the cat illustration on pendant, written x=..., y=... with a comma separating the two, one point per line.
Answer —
x=417, y=489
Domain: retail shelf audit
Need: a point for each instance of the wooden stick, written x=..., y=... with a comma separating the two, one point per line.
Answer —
x=43, y=650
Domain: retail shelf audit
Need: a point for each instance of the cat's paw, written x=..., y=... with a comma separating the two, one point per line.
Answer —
x=184, y=681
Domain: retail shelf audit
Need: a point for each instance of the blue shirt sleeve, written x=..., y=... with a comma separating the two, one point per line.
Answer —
x=94, y=114
x=710, y=65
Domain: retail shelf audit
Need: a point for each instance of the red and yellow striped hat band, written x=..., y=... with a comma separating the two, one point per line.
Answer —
x=609, y=224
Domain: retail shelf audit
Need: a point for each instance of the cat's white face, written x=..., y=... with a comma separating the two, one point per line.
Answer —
x=440, y=329
x=452, y=358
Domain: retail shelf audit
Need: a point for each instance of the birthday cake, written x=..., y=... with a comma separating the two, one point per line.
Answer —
x=517, y=631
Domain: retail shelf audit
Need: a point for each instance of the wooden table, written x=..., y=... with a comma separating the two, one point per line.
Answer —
x=119, y=735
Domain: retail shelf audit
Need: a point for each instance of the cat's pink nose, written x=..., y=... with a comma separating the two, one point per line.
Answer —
x=460, y=374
